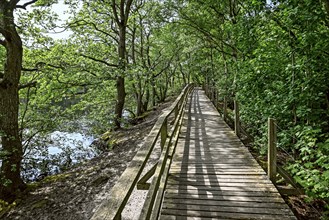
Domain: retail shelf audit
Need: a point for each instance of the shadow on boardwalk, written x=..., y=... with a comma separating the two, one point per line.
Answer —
x=214, y=176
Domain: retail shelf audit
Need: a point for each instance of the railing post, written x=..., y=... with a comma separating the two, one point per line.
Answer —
x=164, y=133
x=237, y=118
x=176, y=111
x=216, y=99
x=271, y=166
x=225, y=108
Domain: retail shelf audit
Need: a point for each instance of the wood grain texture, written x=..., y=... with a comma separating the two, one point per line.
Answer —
x=213, y=176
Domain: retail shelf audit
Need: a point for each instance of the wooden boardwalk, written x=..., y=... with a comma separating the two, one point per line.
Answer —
x=213, y=176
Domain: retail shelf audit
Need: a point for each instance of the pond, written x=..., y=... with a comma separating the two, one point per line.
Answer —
x=56, y=152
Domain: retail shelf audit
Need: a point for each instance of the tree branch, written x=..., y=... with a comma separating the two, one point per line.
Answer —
x=27, y=85
x=26, y=4
x=98, y=60
x=29, y=70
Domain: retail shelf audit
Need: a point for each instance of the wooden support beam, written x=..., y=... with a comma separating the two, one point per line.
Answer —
x=164, y=133
x=236, y=118
x=142, y=184
x=216, y=100
x=288, y=191
x=225, y=108
x=271, y=159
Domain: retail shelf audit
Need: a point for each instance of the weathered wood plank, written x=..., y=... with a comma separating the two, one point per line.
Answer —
x=229, y=215
x=245, y=188
x=216, y=203
x=237, y=209
x=222, y=160
x=200, y=184
x=226, y=196
x=207, y=182
x=217, y=176
x=210, y=170
x=215, y=157
x=215, y=164
x=214, y=176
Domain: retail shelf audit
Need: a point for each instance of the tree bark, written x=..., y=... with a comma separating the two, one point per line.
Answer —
x=121, y=13
x=11, y=182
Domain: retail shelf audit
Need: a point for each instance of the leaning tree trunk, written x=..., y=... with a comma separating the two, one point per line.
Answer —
x=10, y=180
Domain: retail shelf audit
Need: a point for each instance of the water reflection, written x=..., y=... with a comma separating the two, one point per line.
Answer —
x=55, y=153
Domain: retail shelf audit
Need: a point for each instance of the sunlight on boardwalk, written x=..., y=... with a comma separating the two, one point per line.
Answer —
x=214, y=176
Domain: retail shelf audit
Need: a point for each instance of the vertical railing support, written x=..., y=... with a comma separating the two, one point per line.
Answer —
x=216, y=99
x=271, y=166
x=236, y=118
x=176, y=111
x=225, y=108
x=164, y=133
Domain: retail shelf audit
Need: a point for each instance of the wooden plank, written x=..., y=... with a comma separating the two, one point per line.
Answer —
x=173, y=217
x=213, y=157
x=206, y=169
x=217, y=176
x=207, y=164
x=245, y=188
x=214, y=176
x=199, y=184
x=227, y=196
x=290, y=191
x=142, y=183
x=214, y=181
x=237, y=209
x=226, y=203
x=229, y=215
x=222, y=160
x=212, y=171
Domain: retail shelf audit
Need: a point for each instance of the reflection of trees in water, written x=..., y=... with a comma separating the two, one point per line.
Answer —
x=55, y=153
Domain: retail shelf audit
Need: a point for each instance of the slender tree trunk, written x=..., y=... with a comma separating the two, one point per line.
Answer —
x=121, y=14
x=120, y=80
x=10, y=180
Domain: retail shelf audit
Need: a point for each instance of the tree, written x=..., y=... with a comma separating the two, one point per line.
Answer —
x=108, y=22
x=10, y=179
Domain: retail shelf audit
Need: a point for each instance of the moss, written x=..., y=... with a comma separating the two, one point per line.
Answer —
x=106, y=136
x=5, y=207
x=32, y=186
x=111, y=143
x=55, y=178
x=39, y=204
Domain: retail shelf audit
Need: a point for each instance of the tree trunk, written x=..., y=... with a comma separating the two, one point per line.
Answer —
x=11, y=182
x=121, y=16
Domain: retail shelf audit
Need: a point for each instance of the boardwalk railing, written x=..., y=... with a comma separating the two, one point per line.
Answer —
x=272, y=167
x=163, y=132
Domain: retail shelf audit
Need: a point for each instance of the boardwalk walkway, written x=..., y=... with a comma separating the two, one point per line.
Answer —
x=214, y=176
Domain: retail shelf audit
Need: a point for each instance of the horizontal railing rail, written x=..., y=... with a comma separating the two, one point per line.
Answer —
x=113, y=205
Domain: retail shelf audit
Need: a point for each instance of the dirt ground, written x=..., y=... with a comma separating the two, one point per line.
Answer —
x=76, y=193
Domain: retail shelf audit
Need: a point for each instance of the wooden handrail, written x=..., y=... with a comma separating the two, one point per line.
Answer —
x=272, y=167
x=114, y=203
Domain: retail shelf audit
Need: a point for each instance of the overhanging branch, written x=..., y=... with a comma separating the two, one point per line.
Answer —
x=98, y=60
x=27, y=85
x=26, y=4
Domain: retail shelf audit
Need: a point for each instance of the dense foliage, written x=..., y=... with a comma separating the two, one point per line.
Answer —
x=273, y=58
x=123, y=57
